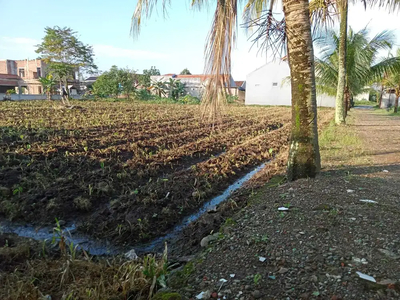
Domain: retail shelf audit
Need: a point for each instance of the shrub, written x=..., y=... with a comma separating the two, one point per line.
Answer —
x=188, y=99
x=143, y=94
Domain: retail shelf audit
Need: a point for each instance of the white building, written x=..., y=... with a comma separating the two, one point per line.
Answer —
x=270, y=85
x=194, y=84
x=388, y=99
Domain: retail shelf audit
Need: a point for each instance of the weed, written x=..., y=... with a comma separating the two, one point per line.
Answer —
x=82, y=203
x=257, y=279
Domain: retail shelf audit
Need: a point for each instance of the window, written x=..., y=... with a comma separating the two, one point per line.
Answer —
x=39, y=74
x=21, y=72
x=40, y=90
x=274, y=84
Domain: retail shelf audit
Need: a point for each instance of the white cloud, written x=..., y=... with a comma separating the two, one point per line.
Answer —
x=115, y=52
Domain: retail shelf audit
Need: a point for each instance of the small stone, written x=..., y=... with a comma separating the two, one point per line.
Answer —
x=204, y=242
x=256, y=294
x=283, y=270
x=131, y=255
x=212, y=209
x=305, y=296
x=314, y=278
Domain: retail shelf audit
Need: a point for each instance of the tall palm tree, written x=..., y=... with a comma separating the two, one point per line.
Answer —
x=304, y=157
x=324, y=10
x=362, y=64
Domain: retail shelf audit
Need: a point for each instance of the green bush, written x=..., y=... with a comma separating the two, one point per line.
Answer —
x=232, y=99
x=143, y=94
x=188, y=99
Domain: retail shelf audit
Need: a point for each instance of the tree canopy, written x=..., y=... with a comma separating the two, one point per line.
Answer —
x=363, y=65
x=144, y=79
x=116, y=82
x=64, y=53
x=185, y=72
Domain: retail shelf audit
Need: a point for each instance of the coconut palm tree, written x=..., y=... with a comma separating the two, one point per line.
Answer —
x=323, y=12
x=304, y=157
x=362, y=62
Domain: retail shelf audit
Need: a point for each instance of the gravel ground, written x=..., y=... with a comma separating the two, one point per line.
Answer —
x=314, y=249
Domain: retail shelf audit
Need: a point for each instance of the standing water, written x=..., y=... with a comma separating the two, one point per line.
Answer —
x=97, y=247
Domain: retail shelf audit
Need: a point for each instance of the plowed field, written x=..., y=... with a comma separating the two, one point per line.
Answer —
x=126, y=171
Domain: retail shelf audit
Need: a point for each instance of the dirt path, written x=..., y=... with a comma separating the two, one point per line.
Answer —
x=315, y=249
x=381, y=136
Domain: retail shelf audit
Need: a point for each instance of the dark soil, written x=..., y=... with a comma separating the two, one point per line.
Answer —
x=126, y=172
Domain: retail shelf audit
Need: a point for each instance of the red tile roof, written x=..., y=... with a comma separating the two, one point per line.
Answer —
x=239, y=83
x=9, y=76
x=8, y=83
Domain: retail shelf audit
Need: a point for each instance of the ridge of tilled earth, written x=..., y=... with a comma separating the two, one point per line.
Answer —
x=313, y=250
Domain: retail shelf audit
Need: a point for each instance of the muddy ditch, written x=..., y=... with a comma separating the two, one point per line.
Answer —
x=104, y=247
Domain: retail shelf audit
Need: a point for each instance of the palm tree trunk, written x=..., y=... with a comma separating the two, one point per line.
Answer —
x=380, y=97
x=304, y=157
x=347, y=101
x=396, y=102
x=340, y=108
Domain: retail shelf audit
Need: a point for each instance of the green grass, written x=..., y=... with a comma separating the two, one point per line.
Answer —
x=340, y=145
x=364, y=102
x=386, y=112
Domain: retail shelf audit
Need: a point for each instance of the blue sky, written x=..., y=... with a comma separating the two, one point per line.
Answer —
x=171, y=44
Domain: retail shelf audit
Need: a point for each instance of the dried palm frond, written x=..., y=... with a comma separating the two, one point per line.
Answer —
x=144, y=8
x=218, y=59
x=269, y=33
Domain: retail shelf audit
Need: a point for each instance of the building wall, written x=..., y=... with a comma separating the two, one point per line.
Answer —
x=194, y=86
x=360, y=97
x=30, y=79
x=270, y=85
x=30, y=67
x=16, y=97
x=388, y=100
x=3, y=66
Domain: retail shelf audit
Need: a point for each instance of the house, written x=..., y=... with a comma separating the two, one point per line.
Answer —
x=88, y=83
x=270, y=85
x=241, y=85
x=22, y=75
x=388, y=98
x=194, y=84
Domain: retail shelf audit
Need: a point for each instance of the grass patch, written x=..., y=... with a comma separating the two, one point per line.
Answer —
x=341, y=145
x=364, y=103
x=386, y=112
x=67, y=276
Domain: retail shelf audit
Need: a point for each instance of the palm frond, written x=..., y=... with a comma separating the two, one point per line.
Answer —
x=144, y=8
x=218, y=58
x=269, y=34
x=322, y=14
x=255, y=8
x=385, y=67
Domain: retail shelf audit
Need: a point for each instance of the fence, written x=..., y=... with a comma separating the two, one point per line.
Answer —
x=20, y=97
